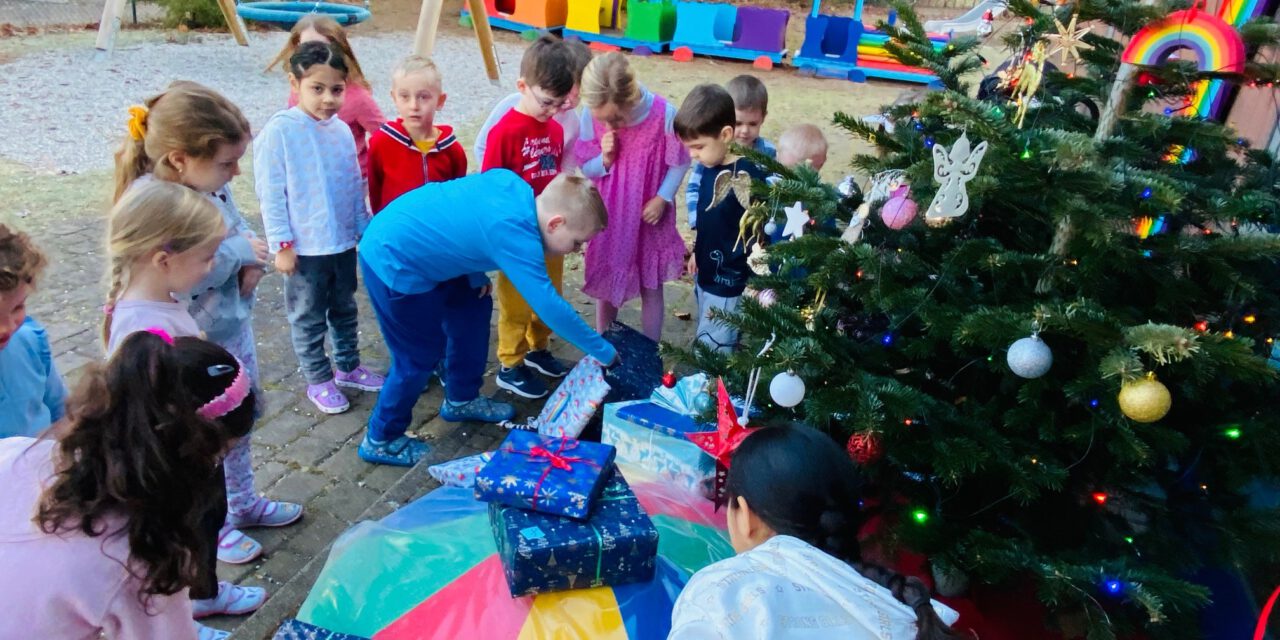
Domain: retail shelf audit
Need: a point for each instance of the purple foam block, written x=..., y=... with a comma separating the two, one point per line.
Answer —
x=642, y=51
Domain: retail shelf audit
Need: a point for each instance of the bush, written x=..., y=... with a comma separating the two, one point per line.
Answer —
x=193, y=13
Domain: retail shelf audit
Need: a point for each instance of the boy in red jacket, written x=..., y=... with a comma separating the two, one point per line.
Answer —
x=413, y=150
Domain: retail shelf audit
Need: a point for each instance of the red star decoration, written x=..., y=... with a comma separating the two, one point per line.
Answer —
x=719, y=444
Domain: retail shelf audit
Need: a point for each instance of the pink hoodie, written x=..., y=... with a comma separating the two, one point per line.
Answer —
x=361, y=113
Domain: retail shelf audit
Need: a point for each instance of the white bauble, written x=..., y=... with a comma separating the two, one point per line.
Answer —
x=787, y=389
x=770, y=228
x=1030, y=357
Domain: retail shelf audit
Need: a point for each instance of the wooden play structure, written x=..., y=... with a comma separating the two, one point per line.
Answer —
x=523, y=15
x=109, y=25
x=727, y=31
x=645, y=26
x=843, y=47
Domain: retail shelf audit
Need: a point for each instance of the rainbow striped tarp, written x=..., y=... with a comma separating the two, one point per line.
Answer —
x=431, y=571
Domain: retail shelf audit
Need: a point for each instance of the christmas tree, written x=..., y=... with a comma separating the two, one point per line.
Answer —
x=1063, y=381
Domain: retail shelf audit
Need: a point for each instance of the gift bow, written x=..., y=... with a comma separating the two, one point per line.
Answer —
x=555, y=460
x=680, y=398
x=563, y=463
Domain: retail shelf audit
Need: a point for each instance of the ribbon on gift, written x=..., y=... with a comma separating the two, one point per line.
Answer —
x=682, y=396
x=555, y=460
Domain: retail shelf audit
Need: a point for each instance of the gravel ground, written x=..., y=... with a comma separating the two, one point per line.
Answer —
x=64, y=110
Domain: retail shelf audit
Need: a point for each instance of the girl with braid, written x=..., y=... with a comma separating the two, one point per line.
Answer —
x=793, y=520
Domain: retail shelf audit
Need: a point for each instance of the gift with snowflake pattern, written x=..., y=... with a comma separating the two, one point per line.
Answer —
x=557, y=476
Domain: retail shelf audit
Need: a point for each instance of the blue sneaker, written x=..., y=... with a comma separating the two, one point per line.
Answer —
x=481, y=409
x=543, y=362
x=521, y=381
x=401, y=452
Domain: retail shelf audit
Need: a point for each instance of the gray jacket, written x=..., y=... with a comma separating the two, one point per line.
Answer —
x=216, y=303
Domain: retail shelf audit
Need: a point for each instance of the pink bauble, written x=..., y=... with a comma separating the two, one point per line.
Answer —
x=767, y=297
x=898, y=211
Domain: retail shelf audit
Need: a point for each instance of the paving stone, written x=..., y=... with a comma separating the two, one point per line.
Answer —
x=283, y=429
x=346, y=501
x=299, y=486
x=339, y=428
x=307, y=451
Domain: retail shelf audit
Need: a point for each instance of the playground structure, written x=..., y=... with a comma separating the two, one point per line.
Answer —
x=646, y=26
x=286, y=14
x=726, y=31
x=843, y=47
x=523, y=15
x=972, y=21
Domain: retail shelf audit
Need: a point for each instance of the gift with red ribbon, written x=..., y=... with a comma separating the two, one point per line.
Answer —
x=552, y=475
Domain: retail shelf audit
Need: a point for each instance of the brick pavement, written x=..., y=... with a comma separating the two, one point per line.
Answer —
x=299, y=454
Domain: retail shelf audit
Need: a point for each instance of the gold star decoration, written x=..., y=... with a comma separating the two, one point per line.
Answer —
x=1068, y=41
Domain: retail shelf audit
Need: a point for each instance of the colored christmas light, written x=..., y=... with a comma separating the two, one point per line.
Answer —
x=887, y=340
x=1093, y=403
x=1113, y=586
x=920, y=516
x=1202, y=326
x=1146, y=193
x=1250, y=319
x=1100, y=497
x=1232, y=433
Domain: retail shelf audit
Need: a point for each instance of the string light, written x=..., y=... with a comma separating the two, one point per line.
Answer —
x=1100, y=497
x=887, y=340
x=1128, y=539
x=908, y=422
x=1250, y=319
x=1113, y=586
x=1093, y=403
x=1202, y=326
x=1146, y=193
x=1271, y=340
x=920, y=516
x=928, y=142
x=1229, y=334
x=1232, y=432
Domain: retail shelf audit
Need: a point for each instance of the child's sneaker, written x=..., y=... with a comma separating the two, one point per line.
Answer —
x=545, y=363
x=328, y=397
x=481, y=409
x=232, y=600
x=360, y=378
x=401, y=452
x=521, y=381
x=235, y=547
x=267, y=513
x=209, y=633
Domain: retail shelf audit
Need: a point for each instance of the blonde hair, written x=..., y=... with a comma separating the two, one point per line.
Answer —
x=154, y=216
x=609, y=79
x=578, y=199
x=801, y=142
x=333, y=32
x=415, y=64
x=187, y=117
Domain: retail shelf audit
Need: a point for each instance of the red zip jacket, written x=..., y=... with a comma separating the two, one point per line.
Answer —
x=396, y=165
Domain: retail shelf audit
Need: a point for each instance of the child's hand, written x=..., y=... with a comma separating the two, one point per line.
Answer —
x=691, y=267
x=249, y=278
x=653, y=210
x=259, y=247
x=608, y=149
x=286, y=261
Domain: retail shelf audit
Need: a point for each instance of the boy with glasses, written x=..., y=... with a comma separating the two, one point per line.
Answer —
x=529, y=142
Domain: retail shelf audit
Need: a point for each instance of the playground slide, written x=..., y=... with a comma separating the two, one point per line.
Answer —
x=969, y=22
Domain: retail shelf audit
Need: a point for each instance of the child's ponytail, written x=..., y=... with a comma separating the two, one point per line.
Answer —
x=801, y=484
x=186, y=117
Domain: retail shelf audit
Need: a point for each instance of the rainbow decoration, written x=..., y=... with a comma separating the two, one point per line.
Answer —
x=430, y=571
x=1146, y=226
x=1213, y=98
x=1216, y=44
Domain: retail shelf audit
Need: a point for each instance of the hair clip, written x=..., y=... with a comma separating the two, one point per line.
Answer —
x=164, y=335
x=220, y=370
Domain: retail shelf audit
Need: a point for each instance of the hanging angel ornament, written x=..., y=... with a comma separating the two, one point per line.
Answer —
x=853, y=233
x=953, y=170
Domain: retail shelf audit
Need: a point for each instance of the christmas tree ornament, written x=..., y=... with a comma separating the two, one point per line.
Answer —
x=853, y=233
x=1145, y=400
x=767, y=297
x=883, y=184
x=849, y=192
x=953, y=170
x=1030, y=357
x=770, y=228
x=730, y=432
x=739, y=184
x=797, y=219
x=1028, y=81
x=758, y=260
x=669, y=379
x=1068, y=41
x=864, y=448
x=702, y=402
x=899, y=210
x=787, y=389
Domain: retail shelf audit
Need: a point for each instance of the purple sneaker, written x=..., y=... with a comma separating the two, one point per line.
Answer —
x=328, y=397
x=360, y=378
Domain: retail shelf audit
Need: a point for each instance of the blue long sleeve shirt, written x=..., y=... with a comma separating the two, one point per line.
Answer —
x=465, y=227
x=32, y=395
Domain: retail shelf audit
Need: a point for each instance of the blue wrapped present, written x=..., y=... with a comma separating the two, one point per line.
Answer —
x=542, y=553
x=557, y=476
x=298, y=630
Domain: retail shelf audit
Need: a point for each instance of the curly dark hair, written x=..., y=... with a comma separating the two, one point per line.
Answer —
x=801, y=484
x=136, y=448
x=21, y=261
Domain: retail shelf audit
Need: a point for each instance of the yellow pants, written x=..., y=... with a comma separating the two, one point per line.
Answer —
x=519, y=329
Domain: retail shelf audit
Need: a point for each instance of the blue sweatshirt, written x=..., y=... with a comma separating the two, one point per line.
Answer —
x=31, y=391
x=465, y=227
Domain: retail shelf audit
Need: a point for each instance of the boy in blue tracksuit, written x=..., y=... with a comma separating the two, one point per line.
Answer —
x=424, y=259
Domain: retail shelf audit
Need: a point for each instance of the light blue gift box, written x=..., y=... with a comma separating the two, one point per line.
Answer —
x=651, y=437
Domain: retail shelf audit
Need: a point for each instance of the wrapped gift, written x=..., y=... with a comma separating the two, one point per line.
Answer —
x=460, y=472
x=557, y=476
x=638, y=371
x=569, y=409
x=653, y=434
x=542, y=553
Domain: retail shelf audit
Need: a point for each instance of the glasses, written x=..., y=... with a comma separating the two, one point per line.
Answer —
x=547, y=103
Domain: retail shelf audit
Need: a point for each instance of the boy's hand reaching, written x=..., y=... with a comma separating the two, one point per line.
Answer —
x=259, y=247
x=653, y=210
x=249, y=278
x=608, y=149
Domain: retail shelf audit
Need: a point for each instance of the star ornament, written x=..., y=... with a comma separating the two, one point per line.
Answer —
x=797, y=218
x=720, y=444
x=1068, y=41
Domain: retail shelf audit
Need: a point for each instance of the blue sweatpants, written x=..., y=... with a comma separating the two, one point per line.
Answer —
x=450, y=320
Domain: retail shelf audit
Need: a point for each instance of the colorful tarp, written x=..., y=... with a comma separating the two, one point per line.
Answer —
x=431, y=571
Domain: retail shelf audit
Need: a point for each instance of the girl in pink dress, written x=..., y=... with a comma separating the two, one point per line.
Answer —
x=628, y=147
x=359, y=110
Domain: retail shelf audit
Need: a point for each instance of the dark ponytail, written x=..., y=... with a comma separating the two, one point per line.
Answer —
x=802, y=485
x=310, y=54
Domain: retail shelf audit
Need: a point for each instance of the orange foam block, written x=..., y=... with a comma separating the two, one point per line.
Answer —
x=763, y=62
x=682, y=54
x=606, y=48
